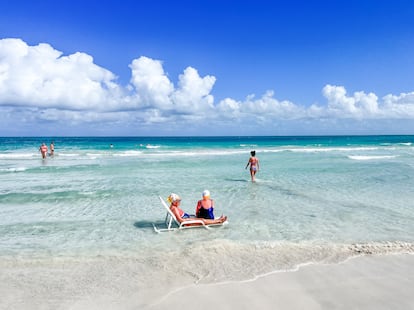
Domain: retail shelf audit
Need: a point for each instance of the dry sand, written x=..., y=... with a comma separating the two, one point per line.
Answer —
x=367, y=282
x=382, y=282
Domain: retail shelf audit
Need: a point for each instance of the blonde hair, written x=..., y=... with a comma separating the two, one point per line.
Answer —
x=173, y=198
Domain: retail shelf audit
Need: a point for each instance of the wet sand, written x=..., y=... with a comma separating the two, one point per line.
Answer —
x=366, y=282
x=382, y=282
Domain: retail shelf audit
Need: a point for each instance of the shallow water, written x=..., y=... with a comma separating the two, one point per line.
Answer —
x=315, y=199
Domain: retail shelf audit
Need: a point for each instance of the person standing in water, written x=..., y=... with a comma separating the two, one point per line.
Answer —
x=52, y=148
x=43, y=150
x=254, y=165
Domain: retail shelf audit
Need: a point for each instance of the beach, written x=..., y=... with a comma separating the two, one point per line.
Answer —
x=382, y=282
x=364, y=282
x=328, y=223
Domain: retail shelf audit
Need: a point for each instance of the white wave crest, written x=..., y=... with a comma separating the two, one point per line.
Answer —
x=18, y=155
x=371, y=157
x=129, y=154
x=14, y=169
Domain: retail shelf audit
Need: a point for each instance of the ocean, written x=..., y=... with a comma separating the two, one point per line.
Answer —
x=316, y=200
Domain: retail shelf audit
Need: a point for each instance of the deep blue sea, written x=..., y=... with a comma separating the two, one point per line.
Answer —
x=316, y=199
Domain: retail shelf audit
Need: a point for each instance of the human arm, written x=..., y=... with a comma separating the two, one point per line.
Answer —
x=198, y=208
x=248, y=163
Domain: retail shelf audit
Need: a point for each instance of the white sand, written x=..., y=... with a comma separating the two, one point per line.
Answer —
x=369, y=282
x=382, y=282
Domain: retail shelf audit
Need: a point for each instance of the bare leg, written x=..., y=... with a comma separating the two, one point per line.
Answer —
x=252, y=174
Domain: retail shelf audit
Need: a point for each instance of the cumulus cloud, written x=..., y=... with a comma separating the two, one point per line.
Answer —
x=401, y=106
x=193, y=93
x=152, y=86
x=359, y=105
x=40, y=76
x=366, y=106
x=72, y=89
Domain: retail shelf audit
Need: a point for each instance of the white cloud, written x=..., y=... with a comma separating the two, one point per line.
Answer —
x=40, y=84
x=360, y=105
x=193, y=95
x=366, y=106
x=40, y=76
x=152, y=86
x=401, y=106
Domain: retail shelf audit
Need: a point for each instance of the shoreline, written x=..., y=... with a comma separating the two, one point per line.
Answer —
x=361, y=282
x=364, y=281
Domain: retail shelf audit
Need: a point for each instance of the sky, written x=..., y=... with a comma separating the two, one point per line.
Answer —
x=201, y=68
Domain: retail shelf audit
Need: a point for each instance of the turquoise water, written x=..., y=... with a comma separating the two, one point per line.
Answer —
x=315, y=197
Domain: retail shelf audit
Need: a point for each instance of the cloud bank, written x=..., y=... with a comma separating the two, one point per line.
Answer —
x=42, y=88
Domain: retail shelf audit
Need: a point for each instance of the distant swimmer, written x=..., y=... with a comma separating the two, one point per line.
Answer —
x=52, y=148
x=254, y=165
x=43, y=150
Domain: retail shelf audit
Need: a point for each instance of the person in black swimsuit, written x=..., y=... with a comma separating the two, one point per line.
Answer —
x=205, y=207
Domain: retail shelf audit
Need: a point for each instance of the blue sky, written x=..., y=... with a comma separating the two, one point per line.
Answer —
x=206, y=67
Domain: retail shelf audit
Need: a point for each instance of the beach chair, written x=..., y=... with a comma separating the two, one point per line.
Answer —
x=172, y=223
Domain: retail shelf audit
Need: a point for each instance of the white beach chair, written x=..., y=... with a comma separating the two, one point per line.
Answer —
x=173, y=224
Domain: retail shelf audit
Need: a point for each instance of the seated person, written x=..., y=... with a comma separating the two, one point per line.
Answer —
x=175, y=200
x=181, y=216
x=205, y=207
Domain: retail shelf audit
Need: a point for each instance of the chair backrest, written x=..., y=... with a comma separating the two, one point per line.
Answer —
x=170, y=216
